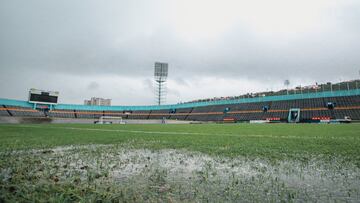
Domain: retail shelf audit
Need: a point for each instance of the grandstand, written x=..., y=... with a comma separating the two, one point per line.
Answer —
x=312, y=107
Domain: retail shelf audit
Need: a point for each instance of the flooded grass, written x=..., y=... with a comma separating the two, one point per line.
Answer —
x=123, y=173
x=179, y=163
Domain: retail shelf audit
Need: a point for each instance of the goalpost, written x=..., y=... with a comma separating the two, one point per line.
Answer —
x=110, y=120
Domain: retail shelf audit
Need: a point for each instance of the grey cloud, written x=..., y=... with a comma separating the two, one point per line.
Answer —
x=148, y=84
x=93, y=86
x=124, y=38
x=175, y=93
x=181, y=81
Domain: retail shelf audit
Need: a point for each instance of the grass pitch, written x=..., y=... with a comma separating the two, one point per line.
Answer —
x=172, y=163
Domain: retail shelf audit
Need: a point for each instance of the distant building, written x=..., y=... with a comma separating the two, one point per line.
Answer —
x=94, y=101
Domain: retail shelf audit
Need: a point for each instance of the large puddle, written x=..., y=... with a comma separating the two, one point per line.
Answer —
x=190, y=176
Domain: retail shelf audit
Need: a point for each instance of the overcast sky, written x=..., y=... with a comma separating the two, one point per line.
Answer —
x=88, y=48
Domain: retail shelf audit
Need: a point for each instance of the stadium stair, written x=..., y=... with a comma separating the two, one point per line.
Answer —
x=8, y=110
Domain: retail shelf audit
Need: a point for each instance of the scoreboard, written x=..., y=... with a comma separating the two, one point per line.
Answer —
x=43, y=97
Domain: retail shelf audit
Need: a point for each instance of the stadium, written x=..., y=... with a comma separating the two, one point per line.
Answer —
x=179, y=101
x=309, y=105
x=161, y=155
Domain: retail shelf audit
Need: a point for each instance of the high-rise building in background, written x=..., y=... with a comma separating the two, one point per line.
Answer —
x=95, y=101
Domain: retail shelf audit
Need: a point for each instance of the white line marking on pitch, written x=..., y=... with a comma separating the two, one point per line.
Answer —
x=118, y=130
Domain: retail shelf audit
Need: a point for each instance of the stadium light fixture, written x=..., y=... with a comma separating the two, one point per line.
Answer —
x=287, y=83
x=160, y=75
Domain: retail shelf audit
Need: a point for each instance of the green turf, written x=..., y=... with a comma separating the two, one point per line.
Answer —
x=252, y=140
x=210, y=163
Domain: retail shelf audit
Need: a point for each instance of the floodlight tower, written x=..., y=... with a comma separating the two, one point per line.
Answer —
x=161, y=73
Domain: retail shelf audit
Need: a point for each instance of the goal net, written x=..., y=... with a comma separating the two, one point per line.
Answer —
x=110, y=120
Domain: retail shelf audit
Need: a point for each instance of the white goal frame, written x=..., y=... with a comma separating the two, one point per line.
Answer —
x=110, y=120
